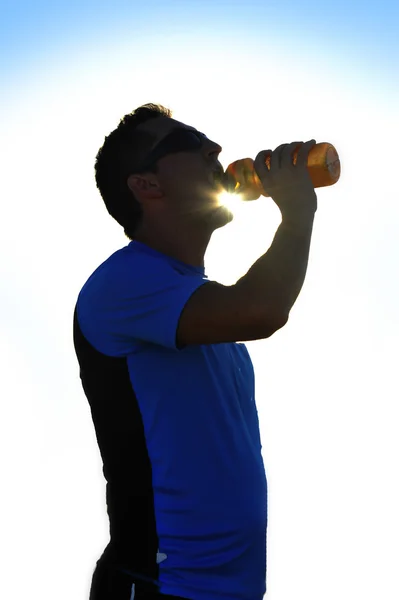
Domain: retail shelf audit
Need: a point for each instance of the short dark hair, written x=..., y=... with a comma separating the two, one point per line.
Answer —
x=115, y=161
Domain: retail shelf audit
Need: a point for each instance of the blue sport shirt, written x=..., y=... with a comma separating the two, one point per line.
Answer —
x=177, y=429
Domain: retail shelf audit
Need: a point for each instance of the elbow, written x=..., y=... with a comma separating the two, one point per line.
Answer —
x=275, y=323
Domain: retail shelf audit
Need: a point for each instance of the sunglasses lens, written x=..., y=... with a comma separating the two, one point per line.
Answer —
x=184, y=140
x=181, y=140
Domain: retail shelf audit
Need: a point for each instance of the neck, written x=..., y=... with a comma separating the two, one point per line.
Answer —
x=184, y=242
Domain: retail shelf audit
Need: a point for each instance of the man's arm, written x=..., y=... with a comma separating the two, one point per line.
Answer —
x=277, y=277
x=260, y=302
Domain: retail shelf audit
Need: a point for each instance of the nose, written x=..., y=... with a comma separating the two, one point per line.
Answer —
x=213, y=148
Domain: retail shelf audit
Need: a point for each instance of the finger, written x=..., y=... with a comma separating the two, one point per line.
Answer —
x=260, y=165
x=287, y=154
x=275, y=160
x=303, y=153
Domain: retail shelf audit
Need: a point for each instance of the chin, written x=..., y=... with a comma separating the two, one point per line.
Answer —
x=220, y=217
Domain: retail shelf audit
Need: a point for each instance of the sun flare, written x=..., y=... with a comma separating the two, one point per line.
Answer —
x=230, y=201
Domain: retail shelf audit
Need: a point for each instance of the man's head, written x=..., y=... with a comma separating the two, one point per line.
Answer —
x=158, y=170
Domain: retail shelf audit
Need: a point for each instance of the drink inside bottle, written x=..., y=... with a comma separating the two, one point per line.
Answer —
x=323, y=164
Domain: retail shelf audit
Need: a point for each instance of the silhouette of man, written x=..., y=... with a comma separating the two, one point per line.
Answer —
x=163, y=365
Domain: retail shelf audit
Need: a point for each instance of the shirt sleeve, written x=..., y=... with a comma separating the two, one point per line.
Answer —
x=134, y=299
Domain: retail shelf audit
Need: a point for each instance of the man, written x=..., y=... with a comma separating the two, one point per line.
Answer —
x=170, y=388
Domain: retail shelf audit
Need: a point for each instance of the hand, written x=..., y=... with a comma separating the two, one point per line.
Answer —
x=289, y=185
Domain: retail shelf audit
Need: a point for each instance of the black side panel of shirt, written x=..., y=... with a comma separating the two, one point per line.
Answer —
x=126, y=465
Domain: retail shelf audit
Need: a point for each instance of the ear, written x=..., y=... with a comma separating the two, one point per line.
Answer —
x=144, y=187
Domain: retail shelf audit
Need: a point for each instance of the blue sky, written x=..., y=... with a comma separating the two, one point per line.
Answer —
x=252, y=75
x=363, y=32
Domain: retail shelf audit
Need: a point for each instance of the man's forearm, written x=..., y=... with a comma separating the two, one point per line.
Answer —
x=277, y=277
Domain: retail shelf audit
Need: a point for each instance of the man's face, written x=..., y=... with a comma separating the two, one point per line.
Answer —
x=190, y=189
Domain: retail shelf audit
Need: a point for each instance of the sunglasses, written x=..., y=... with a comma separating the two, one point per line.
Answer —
x=179, y=140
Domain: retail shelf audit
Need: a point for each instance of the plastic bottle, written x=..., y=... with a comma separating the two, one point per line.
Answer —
x=323, y=165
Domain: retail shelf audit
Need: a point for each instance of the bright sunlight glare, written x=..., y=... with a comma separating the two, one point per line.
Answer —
x=233, y=202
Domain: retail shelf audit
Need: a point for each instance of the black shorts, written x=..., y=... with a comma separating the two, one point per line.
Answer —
x=111, y=582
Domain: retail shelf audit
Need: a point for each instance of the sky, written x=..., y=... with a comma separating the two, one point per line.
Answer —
x=251, y=75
